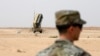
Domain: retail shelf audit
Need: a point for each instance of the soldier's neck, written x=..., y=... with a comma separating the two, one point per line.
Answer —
x=67, y=37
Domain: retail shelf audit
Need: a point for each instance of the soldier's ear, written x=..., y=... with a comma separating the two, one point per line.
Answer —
x=70, y=29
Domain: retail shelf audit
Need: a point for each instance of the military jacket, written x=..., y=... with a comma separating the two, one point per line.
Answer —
x=63, y=48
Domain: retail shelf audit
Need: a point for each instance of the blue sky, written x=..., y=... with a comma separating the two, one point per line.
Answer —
x=20, y=13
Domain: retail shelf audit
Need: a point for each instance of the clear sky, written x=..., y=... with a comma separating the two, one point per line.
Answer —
x=20, y=13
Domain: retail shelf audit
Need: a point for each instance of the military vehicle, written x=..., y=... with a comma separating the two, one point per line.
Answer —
x=37, y=23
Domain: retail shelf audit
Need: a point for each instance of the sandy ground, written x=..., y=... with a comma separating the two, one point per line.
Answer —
x=22, y=42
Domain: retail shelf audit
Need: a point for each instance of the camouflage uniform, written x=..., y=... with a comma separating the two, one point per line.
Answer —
x=65, y=47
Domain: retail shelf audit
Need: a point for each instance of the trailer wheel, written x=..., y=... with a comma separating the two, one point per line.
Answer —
x=41, y=31
x=34, y=31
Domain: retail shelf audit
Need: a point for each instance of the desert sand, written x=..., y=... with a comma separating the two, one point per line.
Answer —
x=23, y=42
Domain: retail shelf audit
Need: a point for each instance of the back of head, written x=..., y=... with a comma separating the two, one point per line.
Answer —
x=66, y=18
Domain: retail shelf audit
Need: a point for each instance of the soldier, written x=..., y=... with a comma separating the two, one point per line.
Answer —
x=69, y=25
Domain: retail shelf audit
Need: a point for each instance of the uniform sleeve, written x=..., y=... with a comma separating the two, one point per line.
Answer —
x=85, y=54
x=82, y=52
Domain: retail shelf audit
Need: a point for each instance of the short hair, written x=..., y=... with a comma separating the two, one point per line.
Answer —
x=63, y=28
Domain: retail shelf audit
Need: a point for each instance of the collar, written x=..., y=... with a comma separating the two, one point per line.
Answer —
x=63, y=41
